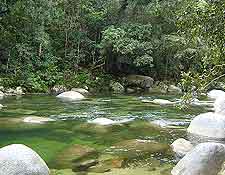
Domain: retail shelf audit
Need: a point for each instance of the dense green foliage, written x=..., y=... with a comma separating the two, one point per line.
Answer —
x=44, y=43
x=203, y=25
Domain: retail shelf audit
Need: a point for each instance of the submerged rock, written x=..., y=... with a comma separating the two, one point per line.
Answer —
x=62, y=172
x=136, y=147
x=214, y=94
x=81, y=91
x=37, y=120
x=169, y=123
x=181, y=147
x=18, y=159
x=209, y=124
x=160, y=102
x=74, y=153
x=83, y=166
x=91, y=128
x=71, y=96
x=137, y=171
x=106, y=121
x=204, y=159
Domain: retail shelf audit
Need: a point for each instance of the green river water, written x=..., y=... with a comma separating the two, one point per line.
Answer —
x=70, y=127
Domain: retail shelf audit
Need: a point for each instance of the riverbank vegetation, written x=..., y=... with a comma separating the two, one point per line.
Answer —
x=88, y=43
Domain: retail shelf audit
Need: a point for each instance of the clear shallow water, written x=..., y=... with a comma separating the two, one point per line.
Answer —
x=51, y=138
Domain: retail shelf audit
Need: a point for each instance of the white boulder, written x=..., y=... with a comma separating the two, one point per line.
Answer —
x=181, y=147
x=204, y=159
x=1, y=95
x=18, y=159
x=81, y=91
x=71, y=96
x=219, y=106
x=106, y=121
x=19, y=91
x=214, y=94
x=160, y=102
x=163, y=102
x=209, y=125
x=37, y=120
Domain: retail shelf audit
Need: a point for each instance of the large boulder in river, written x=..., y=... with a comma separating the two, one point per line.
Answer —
x=209, y=124
x=71, y=96
x=204, y=159
x=81, y=91
x=18, y=159
x=219, y=106
x=141, y=81
x=214, y=94
x=181, y=147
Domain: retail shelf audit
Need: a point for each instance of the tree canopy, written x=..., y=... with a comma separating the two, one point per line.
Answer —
x=44, y=43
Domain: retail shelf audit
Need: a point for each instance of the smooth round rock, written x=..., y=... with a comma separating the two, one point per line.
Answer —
x=181, y=147
x=163, y=102
x=204, y=159
x=106, y=121
x=209, y=124
x=81, y=91
x=19, y=159
x=214, y=94
x=219, y=106
x=71, y=96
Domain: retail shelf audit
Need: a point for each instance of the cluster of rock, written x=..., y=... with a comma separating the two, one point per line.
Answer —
x=206, y=158
x=81, y=158
x=138, y=83
x=211, y=124
x=10, y=91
